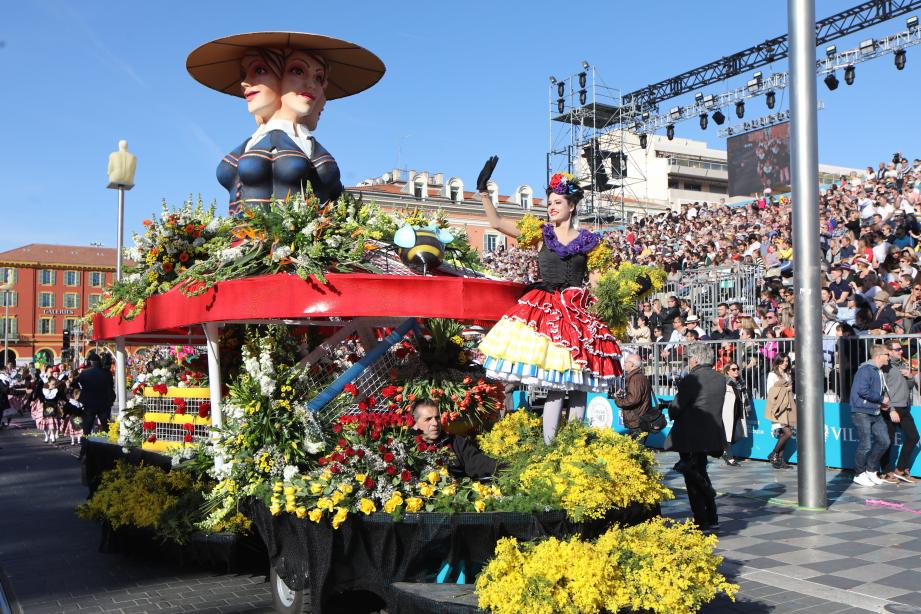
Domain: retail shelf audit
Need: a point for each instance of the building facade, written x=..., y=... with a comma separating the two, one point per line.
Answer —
x=406, y=190
x=52, y=288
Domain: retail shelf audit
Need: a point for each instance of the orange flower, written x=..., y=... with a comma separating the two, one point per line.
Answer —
x=148, y=223
x=184, y=257
x=167, y=267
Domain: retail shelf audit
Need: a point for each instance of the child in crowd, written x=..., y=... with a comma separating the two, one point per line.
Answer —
x=52, y=399
x=73, y=416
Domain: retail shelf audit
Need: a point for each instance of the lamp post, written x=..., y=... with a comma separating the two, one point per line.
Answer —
x=122, y=166
x=6, y=318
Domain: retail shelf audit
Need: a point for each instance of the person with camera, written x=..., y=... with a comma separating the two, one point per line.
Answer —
x=900, y=380
x=868, y=401
x=697, y=431
x=635, y=400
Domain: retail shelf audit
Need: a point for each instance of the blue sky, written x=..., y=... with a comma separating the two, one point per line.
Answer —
x=464, y=80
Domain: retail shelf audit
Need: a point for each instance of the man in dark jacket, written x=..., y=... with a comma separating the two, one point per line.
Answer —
x=469, y=459
x=697, y=431
x=97, y=393
x=868, y=401
x=635, y=399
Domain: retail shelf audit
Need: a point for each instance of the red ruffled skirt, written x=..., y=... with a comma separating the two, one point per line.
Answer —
x=550, y=339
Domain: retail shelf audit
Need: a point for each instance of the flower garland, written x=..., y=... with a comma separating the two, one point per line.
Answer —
x=657, y=566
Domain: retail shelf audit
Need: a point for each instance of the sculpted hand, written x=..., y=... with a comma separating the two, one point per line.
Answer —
x=486, y=174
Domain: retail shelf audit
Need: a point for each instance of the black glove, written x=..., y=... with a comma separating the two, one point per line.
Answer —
x=486, y=173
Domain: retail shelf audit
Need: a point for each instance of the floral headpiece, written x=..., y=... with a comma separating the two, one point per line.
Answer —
x=563, y=183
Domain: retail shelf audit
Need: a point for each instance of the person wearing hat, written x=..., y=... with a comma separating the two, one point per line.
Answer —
x=286, y=79
x=885, y=320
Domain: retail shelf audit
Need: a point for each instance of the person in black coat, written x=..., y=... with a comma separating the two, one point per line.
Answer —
x=697, y=412
x=97, y=393
x=469, y=459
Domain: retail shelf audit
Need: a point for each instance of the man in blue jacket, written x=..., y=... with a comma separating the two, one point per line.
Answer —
x=868, y=401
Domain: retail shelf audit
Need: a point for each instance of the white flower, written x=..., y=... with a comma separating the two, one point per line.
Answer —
x=282, y=251
x=198, y=242
x=230, y=254
x=313, y=447
x=289, y=472
x=213, y=225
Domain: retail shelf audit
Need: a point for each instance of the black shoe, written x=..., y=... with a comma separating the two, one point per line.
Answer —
x=729, y=460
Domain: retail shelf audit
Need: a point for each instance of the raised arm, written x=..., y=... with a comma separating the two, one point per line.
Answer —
x=506, y=227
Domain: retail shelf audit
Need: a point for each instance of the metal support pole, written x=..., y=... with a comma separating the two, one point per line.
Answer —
x=212, y=336
x=121, y=234
x=120, y=376
x=804, y=165
x=6, y=327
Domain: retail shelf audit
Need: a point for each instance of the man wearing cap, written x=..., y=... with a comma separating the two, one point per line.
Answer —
x=868, y=399
x=885, y=320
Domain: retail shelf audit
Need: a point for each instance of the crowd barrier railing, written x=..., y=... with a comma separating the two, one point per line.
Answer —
x=706, y=288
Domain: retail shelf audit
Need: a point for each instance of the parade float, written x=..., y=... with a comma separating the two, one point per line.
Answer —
x=321, y=320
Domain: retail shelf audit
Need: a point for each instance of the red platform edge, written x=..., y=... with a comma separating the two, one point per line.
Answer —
x=288, y=297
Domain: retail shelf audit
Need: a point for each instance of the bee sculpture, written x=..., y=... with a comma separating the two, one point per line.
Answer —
x=422, y=248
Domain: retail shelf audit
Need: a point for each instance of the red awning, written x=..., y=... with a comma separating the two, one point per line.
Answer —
x=287, y=297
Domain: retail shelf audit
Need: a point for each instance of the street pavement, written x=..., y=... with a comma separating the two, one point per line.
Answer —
x=856, y=557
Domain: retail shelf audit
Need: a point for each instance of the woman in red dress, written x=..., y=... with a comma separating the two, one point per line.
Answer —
x=549, y=338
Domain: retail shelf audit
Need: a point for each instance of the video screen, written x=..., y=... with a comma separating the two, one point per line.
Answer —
x=759, y=160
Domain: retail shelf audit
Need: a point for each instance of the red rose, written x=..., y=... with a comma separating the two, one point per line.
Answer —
x=371, y=401
x=351, y=389
x=322, y=461
x=390, y=470
x=203, y=411
x=188, y=427
x=342, y=442
x=361, y=430
x=360, y=453
x=334, y=469
x=206, y=405
x=152, y=438
x=406, y=475
x=362, y=405
x=388, y=457
x=369, y=483
x=349, y=452
x=337, y=428
x=188, y=439
x=180, y=410
x=375, y=435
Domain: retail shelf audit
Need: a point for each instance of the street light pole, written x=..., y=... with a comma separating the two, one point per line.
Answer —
x=6, y=318
x=122, y=166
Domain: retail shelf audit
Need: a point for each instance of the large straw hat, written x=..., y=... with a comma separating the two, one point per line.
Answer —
x=352, y=68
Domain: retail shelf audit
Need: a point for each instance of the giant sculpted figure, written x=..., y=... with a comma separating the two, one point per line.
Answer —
x=286, y=79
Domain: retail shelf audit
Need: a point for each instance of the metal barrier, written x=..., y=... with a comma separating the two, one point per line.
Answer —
x=706, y=288
x=666, y=363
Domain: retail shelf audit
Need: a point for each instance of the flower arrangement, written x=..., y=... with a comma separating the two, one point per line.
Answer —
x=146, y=497
x=618, y=290
x=378, y=464
x=460, y=249
x=296, y=235
x=531, y=229
x=518, y=434
x=657, y=566
x=563, y=183
x=600, y=259
x=171, y=243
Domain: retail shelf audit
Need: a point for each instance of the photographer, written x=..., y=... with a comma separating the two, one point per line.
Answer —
x=635, y=399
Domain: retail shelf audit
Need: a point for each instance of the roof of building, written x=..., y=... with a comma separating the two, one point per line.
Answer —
x=397, y=188
x=59, y=255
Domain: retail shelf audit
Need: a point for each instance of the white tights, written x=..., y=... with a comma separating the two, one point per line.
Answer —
x=553, y=410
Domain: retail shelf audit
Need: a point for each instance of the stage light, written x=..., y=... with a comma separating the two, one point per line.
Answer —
x=709, y=99
x=752, y=85
x=643, y=141
x=831, y=51
x=552, y=80
x=900, y=59
x=719, y=118
x=867, y=46
x=831, y=81
x=770, y=99
x=730, y=131
x=670, y=131
x=849, y=75
x=560, y=104
x=560, y=89
x=674, y=113
x=585, y=64
x=582, y=77
x=703, y=121
x=583, y=96
x=740, y=109
x=911, y=23
x=645, y=116
x=698, y=97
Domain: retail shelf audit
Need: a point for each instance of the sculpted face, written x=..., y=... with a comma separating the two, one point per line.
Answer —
x=303, y=85
x=261, y=88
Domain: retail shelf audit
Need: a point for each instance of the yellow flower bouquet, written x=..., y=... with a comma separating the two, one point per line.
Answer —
x=657, y=566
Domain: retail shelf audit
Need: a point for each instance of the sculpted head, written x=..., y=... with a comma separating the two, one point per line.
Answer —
x=285, y=84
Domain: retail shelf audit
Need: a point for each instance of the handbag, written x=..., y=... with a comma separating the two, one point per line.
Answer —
x=653, y=420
